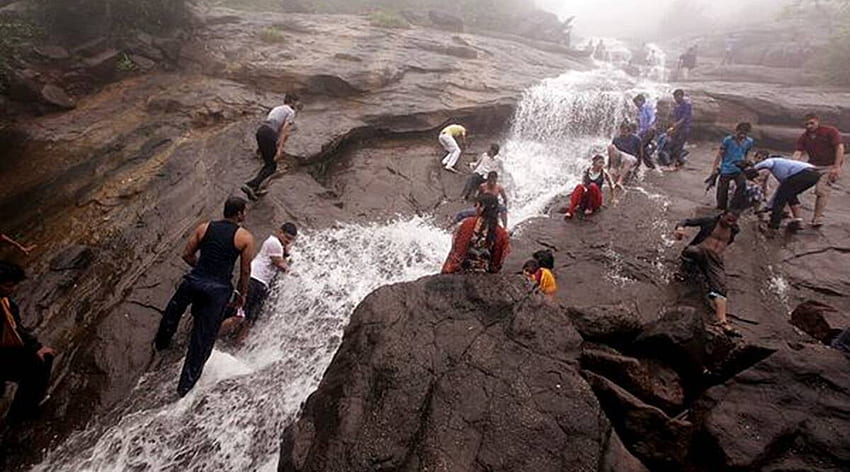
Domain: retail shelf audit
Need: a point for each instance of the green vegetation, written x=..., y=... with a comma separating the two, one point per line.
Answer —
x=387, y=19
x=125, y=64
x=271, y=35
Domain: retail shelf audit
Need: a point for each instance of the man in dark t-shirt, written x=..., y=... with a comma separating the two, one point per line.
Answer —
x=825, y=148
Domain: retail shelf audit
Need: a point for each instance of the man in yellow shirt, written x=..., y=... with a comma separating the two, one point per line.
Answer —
x=448, y=139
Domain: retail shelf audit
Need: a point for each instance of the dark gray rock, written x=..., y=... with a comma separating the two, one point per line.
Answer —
x=819, y=320
x=52, y=52
x=54, y=95
x=615, y=324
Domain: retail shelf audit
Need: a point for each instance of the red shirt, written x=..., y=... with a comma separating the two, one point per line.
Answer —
x=820, y=145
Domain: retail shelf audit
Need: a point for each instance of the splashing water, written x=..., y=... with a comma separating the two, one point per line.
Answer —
x=233, y=418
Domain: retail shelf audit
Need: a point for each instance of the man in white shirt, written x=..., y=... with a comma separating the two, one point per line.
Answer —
x=271, y=137
x=489, y=162
x=264, y=267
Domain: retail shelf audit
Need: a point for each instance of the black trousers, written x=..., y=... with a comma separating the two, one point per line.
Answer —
x=723, y=191
x=267, y=142
x=787, y=193
x=646, y=149
x=677, y=147
x=472, y=183
x=22, y=366
x=209, y=300
x=257, y=295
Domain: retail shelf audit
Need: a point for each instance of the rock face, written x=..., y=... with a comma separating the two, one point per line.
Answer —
x=451, y=373
x=819, y=320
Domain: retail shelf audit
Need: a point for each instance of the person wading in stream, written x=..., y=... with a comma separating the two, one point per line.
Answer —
x=479, y=243
x=23, y=359
x=271, y=260
x=488, y=162
x=825, y=149
x=271, y=138
x=448, y=139
x=705, y=253
x=208, y=288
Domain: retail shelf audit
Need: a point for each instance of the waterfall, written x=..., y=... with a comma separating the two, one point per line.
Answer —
x=234, y=417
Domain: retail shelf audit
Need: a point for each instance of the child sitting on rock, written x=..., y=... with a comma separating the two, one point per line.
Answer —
x=543, y=278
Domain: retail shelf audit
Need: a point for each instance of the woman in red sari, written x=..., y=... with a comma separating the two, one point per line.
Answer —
x=480, y=244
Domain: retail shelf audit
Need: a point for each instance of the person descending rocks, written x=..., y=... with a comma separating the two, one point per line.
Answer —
x=705, y=254
x=622, y=154
x=587, y=196
x=794, y=177
x=208, y=288
x=645, y=129
x=23, y=359
x=271, y=139
x=825, y=148
x=680, y=130
x=448, y=139
x=479, y=243
x=270, y=261
x=488, y=162
x=733, y=150
x=541, y=277
x=492, y=187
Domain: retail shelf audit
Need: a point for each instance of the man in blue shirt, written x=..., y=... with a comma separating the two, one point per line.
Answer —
x=681, y=128
x=733, y=150
x=646, y=128
x=622, y=154
x=795, y=177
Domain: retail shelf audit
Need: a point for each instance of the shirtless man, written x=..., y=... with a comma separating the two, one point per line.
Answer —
x=705, y=252
x=492, y=187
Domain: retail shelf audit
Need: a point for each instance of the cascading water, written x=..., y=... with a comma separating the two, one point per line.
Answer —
x=233, y=418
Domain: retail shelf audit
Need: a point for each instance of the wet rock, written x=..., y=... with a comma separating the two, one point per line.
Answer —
x=52, y=52
x=76, y=257
x=618, y=459
x=53, y=95
x=612, y=324
x=446, y=21
x=103, y=65
x=657, y=440
x=25, y=86
x=819, y=320
x=142, y=62
x=647, y=379
x=451, y=373
x=788, y=412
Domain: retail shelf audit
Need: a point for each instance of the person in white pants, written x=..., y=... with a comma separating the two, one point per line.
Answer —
x=448, y=139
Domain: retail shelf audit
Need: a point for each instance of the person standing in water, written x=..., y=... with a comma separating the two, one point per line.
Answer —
x=271, y=138
x=587, y=195
x=448, y=139
x=208, y=288
x=488, y=162
x=479, y=243
x=705, y=253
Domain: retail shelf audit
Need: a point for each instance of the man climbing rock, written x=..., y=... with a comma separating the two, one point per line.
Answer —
x=208, y=288
x=271, y=138
x=448, y=139
x=733, y=150
x=825, y=148
x=705, y=253
x=23, y=359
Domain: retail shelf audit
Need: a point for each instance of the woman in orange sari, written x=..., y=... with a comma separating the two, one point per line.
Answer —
x=480, y=244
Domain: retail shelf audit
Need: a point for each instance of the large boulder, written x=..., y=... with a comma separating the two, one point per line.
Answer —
x=819, y=320
x=788, y=412
x=606, y=323
x=451, y=373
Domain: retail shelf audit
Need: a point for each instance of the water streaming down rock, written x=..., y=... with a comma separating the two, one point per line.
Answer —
x=233, y=419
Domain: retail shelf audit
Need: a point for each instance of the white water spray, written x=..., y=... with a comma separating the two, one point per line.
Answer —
x=234, y=417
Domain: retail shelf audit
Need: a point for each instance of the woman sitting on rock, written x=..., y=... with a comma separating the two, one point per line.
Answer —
x=587, y=195
x=480, y=244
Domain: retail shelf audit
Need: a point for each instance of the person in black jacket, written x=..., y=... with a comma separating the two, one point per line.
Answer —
x=23, y=359
x=705, y=253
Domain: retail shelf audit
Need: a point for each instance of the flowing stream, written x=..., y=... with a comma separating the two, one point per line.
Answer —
x=234, y=417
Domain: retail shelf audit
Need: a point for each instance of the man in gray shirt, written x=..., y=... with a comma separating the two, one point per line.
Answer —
x=271, y=137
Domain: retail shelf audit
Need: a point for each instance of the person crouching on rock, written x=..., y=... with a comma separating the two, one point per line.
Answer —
x=271, y=138
x=543, y=279
x=208, y=288
x=587, y=195
x=705, y=253
x=448, y=139
x=270, y=261
x=479, y=244
x=22, y=358
x=794, y=177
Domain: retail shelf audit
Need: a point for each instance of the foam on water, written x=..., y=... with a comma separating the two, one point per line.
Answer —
x=233, y=419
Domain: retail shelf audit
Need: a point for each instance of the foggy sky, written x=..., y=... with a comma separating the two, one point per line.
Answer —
x=643, y=18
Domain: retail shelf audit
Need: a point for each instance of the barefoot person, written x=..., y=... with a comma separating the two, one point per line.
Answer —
x=23, y=359
x=622, y=154
x=207, y=287
x=587, y=195
x=448, y=139
x=492, y=187
x=479, y=243
x=271, y=138
x=705, y=253
x=825, y=148
x=541, y=277
x=270, y=261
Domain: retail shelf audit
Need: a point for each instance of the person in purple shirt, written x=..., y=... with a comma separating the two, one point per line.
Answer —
x=680, y=130
x=646, y=129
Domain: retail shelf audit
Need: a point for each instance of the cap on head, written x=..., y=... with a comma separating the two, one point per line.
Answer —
x=234, y=206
